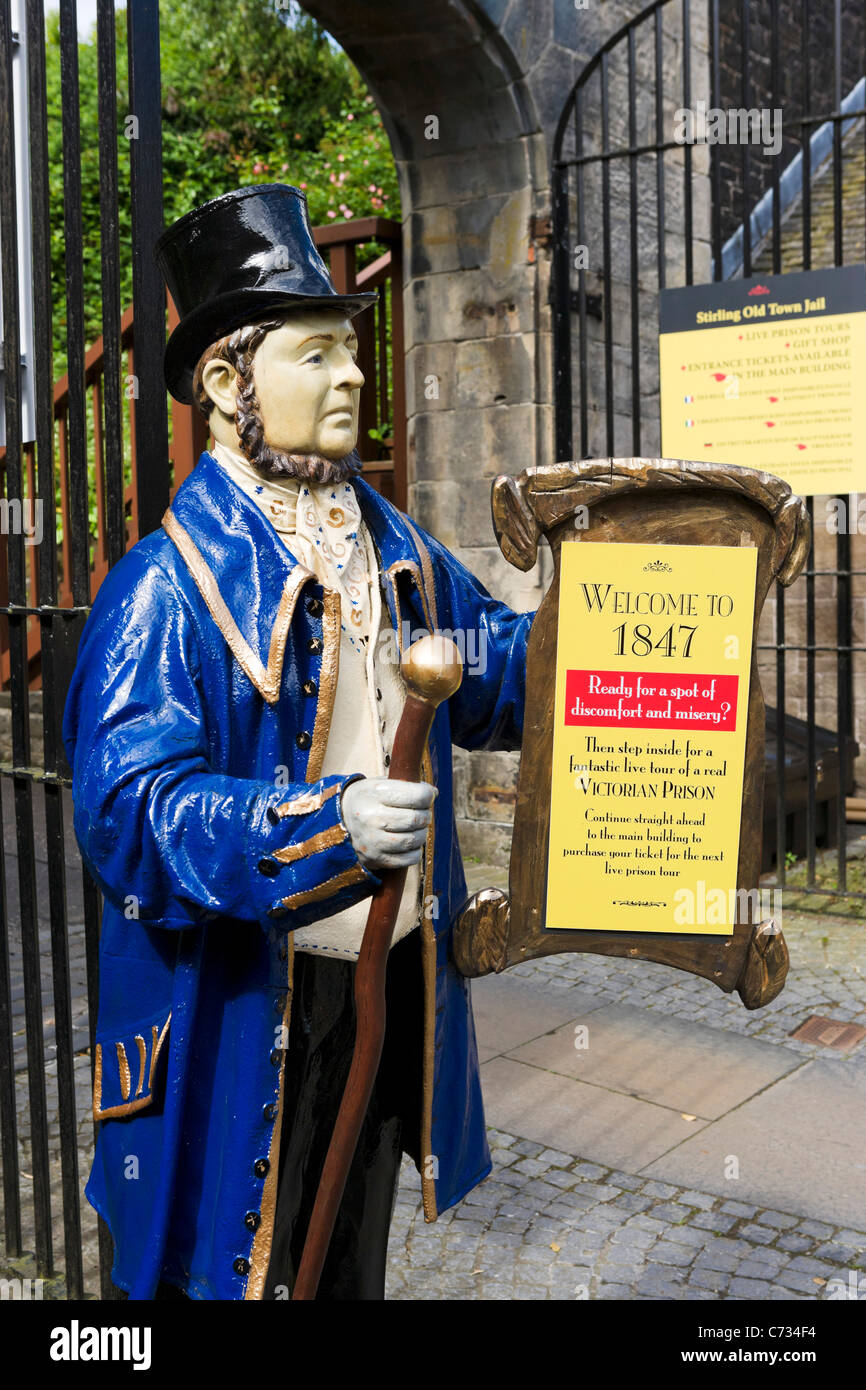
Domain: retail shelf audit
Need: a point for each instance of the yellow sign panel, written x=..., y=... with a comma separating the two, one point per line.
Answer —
x=767, y=373
x=653, y=663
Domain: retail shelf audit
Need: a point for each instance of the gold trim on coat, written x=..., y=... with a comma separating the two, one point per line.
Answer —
x=322, y=890
x=412, y=568
x=265, y=679
x=123, y=1068
x=116, y=1111
x=323, y=840
x=157, y=1048
x=308, y=801
x=142, y=1059
x=427, y=566
x=328, y=675
x=260, y=1254
x=428, y=957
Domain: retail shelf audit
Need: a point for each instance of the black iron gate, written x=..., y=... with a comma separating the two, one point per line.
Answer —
x=49, y=911
x=635, y=209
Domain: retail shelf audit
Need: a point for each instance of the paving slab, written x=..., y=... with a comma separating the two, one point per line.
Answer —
x=601, y=1125
x=686, y=1066
x=510, y=1011
x=800, y=1145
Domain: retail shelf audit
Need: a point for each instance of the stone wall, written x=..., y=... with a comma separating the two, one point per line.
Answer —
x=471, y=92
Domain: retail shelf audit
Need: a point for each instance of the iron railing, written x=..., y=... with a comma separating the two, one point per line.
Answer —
x=632, y=198
x=114, y=455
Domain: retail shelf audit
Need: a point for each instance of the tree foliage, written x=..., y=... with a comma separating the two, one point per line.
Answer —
x=252, y=92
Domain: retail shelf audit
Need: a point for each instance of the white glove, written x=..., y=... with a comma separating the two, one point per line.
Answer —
x=387, y=820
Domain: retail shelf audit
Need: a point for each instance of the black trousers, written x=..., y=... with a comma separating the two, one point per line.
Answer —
x=321, y=1037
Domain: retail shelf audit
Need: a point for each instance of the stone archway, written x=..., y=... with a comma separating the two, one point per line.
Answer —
x=471, y=161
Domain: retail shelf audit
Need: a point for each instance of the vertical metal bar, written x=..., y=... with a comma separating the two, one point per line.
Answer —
x=811, y=831
x=19, y=671
x=382, y=316
x=781, y=741
x=148, y=290
x=774, y=106
x=838, y=255
x=806, y=135
x=79, y=518
x=11, y=350
x=687, y=149
x=51, y=669
x=8, y=1114
x=634, y=306
x=561, y=316
x=95, y=389
x=660, y=140
x=715, y=151
x=398, y=357
x=745, y=156
x=844, y=608
x=844, y=685
x=606, y=252
x=110, y=278
x=583, y=344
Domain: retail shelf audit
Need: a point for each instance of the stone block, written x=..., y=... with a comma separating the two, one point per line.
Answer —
x=494, y=371
x=469, y=304
x=485, y=840
x=492, y=787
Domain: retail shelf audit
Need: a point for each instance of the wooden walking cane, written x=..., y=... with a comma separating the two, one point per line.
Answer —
x=432, y=670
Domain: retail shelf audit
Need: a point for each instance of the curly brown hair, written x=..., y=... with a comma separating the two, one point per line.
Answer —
x=239, y=349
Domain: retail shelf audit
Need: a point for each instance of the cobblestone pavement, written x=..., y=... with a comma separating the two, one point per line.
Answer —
x=618, y=1235
x=546, y=1225
x=827, y=976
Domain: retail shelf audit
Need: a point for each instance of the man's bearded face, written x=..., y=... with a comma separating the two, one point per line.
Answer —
x=297, y=394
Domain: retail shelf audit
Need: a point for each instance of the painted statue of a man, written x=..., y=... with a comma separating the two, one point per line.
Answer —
x=229, y=725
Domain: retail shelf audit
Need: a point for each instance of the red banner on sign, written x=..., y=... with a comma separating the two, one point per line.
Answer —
x=641, y=700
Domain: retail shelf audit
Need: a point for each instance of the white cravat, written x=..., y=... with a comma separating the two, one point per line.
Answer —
x=361, y=730
x=325, y=522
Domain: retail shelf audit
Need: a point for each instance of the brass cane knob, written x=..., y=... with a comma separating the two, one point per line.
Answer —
x=432, y=668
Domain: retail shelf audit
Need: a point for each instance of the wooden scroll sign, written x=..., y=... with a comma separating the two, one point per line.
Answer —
x=657, y=641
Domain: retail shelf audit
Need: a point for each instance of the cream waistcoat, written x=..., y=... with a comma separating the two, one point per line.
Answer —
x=370, y=692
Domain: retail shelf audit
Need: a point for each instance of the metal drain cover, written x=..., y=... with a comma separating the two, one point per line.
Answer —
x=828, y=1032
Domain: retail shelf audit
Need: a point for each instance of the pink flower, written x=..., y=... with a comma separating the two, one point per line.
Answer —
x=331, y=212
x=257, y=168
x=366, y=161
x=284, y=167
x=341, y=157
x=302, y=185
x=333, y=178
x=371, y=188
x=379, y=191
x=297, y=137
x=348, y=212
x=350, y=117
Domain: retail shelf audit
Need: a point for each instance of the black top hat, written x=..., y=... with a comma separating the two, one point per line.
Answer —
x=234, y=260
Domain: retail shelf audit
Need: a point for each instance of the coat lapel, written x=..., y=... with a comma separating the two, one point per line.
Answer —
x=246, y=576
x=250, y=581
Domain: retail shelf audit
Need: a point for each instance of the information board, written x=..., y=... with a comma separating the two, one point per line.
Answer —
x=768, y=373
x=653, y=665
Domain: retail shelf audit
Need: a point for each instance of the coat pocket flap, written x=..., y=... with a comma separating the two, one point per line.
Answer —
x=125, y=1070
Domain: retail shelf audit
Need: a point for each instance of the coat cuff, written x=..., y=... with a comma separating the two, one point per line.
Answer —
x=304, y=867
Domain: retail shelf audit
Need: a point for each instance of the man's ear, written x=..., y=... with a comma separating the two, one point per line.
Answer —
x=220, y=383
